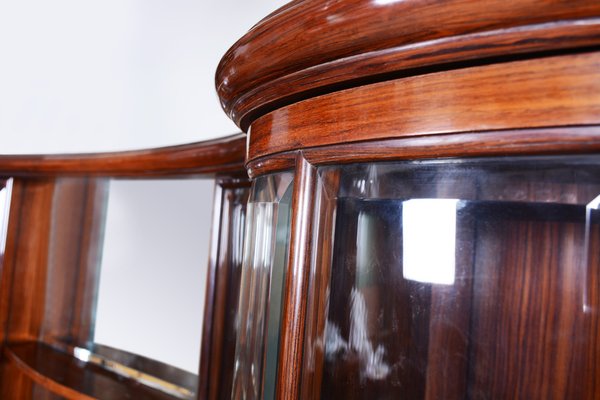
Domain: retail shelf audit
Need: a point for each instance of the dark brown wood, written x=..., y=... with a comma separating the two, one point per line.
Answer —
x=575, y=139
x=25, y=260
x=49, y=269
x=528, y=328
x=48, y=284
x=592, y=301
x=219, y=333
x=549, y=92
x=68, y=377
x=216, y=157
x=75, y=244
x=318, y=290
x=518, y=320
x=205, y=376
x=296, y=282
x=362, y=39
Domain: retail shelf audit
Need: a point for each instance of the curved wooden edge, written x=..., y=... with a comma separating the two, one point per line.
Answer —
x=536, y=93
x=414, y=59
x=215, y=157
x=548, y=141
x=51, y=385
x=361, y=40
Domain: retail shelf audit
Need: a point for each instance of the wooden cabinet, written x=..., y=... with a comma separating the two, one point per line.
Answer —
x=51, y=271
x=412, y=214
x=443, y=230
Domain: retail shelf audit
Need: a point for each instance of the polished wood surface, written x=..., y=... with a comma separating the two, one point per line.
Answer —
x=68, y=377
x=547, y=92
x=23, y=280
x=296, y=283
x=49, y=279
x=573, y=140
x=315, y=47
x=318, y=285
x=320, y=84
x=216, y=157
x=48, y=275
x=223, y=286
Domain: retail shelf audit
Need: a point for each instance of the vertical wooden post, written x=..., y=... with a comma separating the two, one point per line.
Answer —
x=296, y=282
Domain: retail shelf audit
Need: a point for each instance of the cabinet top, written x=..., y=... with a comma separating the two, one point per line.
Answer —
x=314, y=47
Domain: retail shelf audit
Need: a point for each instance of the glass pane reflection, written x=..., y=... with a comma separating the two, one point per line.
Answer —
x=446, y=280
x=263, y=274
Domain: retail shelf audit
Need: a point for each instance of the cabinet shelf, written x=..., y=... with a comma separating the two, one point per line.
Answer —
x=66, y=375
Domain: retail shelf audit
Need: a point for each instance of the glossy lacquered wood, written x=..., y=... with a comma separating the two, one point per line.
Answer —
x=223, y=286
x=546, y=92
x=362, y=40
x=50, y=260
x=217, y=157
x=64, y=375
x=296, y=282
x=49, y=280
x=576, y=139
x=22, y=283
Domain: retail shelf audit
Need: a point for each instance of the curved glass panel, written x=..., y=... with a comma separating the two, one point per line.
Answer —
x=263, y=273
x=456, y=279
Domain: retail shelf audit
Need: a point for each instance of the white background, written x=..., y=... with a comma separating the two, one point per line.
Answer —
x=88, y=76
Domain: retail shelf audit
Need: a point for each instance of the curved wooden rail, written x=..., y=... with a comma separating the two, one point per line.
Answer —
x=316, y=47
x=212, y=157
x=72, y=379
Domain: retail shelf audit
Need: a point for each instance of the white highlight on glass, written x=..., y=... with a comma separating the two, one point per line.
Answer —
x=429, y=240
x=82, y=354
x=5, y=193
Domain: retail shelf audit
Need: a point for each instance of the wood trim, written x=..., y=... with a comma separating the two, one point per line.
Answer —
x=206, y=376
x=539, y=93
x=415, y=59
x=214, y=157
x=296, y=282
x=24, y=269
x=222, y=285
x=42, y=380
x=564, y=140
x=358, y=39
x=319, y=285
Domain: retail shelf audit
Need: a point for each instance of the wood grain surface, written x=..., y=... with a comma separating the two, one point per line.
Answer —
x=296, y=283
x=65, y=376
x=223, y=285
x=547, y=92
x=314, y=46
x=572, y=139
x=216, y=157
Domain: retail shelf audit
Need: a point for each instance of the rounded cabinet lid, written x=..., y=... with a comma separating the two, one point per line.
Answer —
x=313, y=47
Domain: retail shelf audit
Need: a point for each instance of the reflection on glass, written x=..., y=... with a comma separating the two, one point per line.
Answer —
x=126, y=275
x=457, y=279
x=153, y=271
x=259, y=310
x=4, y=212
x=429, y=240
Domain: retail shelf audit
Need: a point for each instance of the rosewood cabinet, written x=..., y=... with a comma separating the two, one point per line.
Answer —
x=413, y=213
x=440, y=164
x=56, y=227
